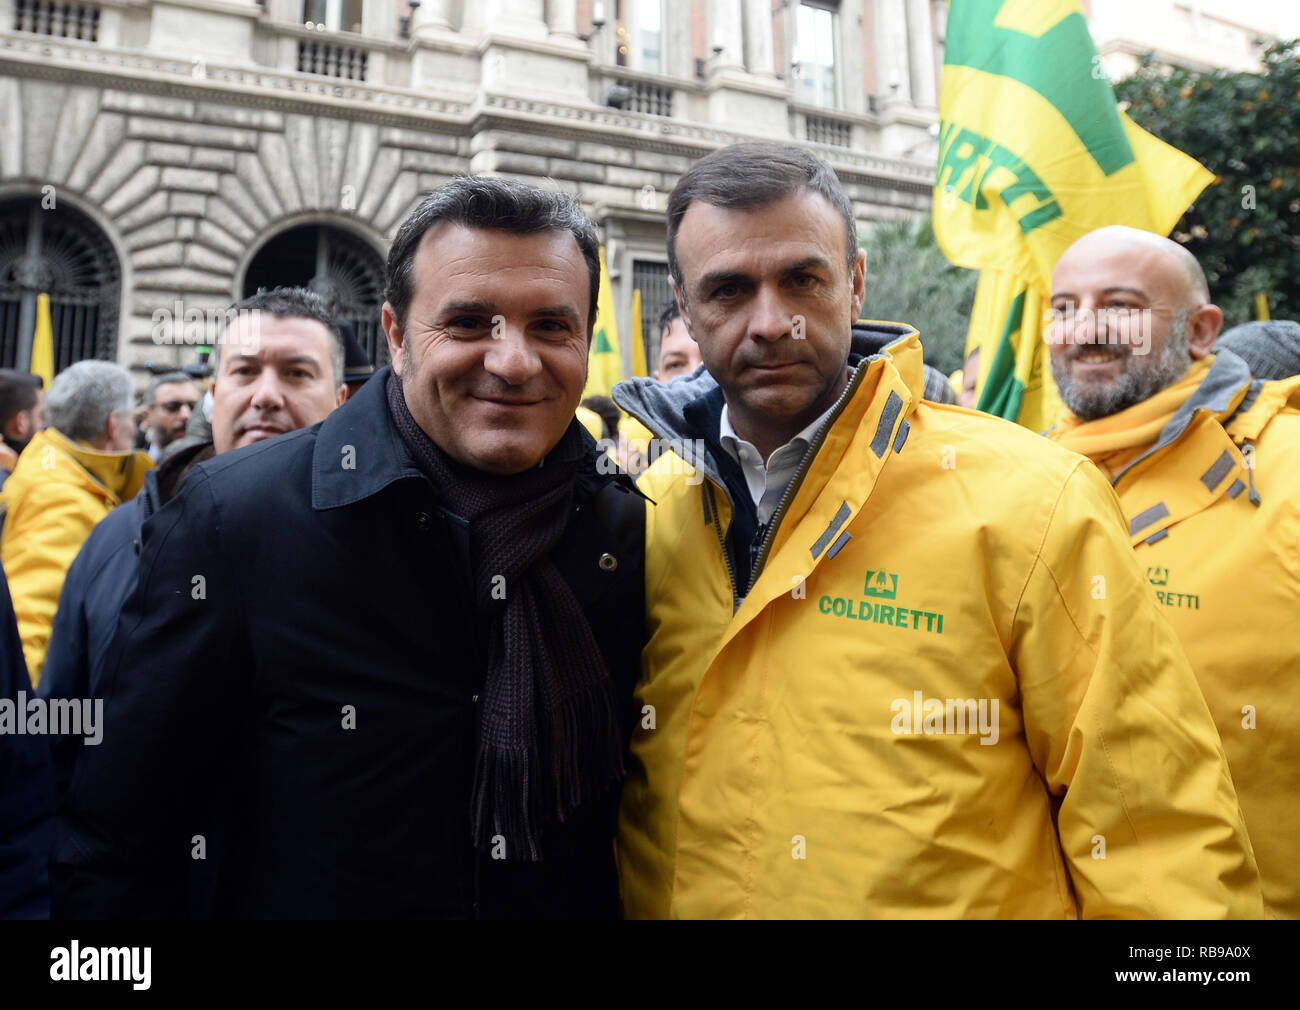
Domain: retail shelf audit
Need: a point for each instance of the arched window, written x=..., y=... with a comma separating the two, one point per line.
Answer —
x=59, y=251
x=333, y=262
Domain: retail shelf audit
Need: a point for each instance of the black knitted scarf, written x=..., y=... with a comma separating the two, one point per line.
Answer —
x=548, y=736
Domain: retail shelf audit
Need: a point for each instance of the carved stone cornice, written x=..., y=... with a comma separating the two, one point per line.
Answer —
x=88, y=64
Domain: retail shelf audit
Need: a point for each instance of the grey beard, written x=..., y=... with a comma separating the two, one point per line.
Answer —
x=1137, y=383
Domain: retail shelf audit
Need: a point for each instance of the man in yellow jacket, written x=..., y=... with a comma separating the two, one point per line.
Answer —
x=1206, y=462
x=901, y=660
x=68, y=478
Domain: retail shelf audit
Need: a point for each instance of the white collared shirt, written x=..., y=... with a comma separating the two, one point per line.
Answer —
x=767, y=481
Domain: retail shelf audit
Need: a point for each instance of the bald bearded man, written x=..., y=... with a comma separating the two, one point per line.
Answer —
x=1206, y=462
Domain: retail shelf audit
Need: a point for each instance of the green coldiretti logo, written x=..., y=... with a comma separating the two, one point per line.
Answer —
x=1158, y=576
x=881, y=584
x=602, y=344
x=1058, y=63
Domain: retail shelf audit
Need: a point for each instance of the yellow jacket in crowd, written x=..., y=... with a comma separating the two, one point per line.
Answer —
x=57, y=493
x=1208, y=473
x=949, y=659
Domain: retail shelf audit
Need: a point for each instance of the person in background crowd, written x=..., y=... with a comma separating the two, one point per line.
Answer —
x=26, y=790
x=22, y=415
x=678, y=352
x=1206, y=462
x=402, y=687
x=68, y=478
x=270, y=340
x=678, y=355
x=1270, y=349
x=169, y=403
x=357, y=367
x=859, y=566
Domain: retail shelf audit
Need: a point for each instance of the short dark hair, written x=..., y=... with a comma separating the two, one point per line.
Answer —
x=666, y=317
x=166, y=379
x=752, y=175
x=500, y=204
x=293, y=303
x=17, y=393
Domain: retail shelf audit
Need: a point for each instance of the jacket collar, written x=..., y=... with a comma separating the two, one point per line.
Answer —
x=358, y=452
x=673, y=411
x=121, y=474
x=1226, y=389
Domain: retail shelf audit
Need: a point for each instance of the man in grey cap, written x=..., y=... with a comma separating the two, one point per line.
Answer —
x=1271, y=348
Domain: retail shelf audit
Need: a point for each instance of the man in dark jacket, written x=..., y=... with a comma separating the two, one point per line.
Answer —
x=26, y=794
x=280, y=372
x=383, y=666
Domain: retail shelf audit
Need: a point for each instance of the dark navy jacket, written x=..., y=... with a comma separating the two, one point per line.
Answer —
x=26, y=788
x=292, y=696
x=98, y=582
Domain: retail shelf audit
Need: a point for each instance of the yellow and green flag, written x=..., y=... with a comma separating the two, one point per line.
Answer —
x=43, y=341
x=604, y=360
x=1033, y=154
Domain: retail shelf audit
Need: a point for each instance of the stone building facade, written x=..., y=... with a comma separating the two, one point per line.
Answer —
x=159, y=160
x=1201, y=34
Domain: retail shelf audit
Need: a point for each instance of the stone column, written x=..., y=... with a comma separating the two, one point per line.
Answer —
x=562, y=18
x=522, y=18
x=433, y=15
x=920, y=46
x=726, y=30
x=892, y=64
x=758, y=38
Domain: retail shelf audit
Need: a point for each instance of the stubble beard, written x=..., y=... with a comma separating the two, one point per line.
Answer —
x=1138, y=382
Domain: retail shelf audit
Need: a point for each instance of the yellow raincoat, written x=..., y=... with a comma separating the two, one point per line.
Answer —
x=1214, y=515
x=948, y=693
x=58, y=491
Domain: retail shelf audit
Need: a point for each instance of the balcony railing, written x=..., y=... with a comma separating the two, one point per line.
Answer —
x=646, y=97
x=63, y=20
x=821, y=130
x=331, y=60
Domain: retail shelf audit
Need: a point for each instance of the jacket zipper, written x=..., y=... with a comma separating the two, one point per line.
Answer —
x=722, y=542
x=797, y=480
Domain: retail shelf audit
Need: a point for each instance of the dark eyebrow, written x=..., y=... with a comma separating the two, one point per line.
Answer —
x=716, y=278
x=557, y=312
x=720, y=277
x=820, y=262
x=470, y=308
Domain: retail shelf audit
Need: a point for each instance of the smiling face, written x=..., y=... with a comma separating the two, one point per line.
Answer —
x=1129, y=317
x=493, y=351
x=771, y=302
x=275, y=374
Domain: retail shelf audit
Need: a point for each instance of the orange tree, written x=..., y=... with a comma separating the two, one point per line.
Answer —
x=1245, y=127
